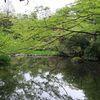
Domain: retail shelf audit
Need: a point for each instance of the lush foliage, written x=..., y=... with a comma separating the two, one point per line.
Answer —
x=4, y=60
x=73, y=30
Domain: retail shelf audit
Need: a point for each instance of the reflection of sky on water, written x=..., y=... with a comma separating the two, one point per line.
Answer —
x=2, y=83
x=29, y=79
x=47, y=86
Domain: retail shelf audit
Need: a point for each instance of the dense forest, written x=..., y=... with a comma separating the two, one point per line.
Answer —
x=72, y=31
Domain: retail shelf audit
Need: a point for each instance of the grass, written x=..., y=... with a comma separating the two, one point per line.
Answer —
x=44, y=53
x=39, y=52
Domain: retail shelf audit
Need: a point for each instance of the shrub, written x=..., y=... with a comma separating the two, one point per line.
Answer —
x=4, y=60
x=93, y=50
x=75, y=45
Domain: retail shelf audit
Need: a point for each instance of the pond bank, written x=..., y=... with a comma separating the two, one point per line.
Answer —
x=56, y=55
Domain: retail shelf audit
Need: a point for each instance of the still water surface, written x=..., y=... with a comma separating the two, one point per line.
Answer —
x=49, y=78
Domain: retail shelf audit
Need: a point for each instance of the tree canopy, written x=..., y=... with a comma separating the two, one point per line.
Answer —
x=69, y=28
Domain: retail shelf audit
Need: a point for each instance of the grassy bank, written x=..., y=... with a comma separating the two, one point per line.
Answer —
x=44, y=53
x=39, y=53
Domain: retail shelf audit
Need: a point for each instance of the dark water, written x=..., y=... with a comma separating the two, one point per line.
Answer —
x=49, y=78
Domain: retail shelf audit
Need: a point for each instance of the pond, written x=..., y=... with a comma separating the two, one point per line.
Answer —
x=49, y=78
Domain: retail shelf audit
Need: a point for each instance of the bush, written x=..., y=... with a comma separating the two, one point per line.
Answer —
x=93, y=50
x=4, y=60
x=75, y=45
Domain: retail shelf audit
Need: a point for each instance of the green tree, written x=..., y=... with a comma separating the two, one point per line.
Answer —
x=82, y=17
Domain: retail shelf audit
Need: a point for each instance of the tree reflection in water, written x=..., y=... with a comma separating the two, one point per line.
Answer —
x=37, y=79
x=7, y=83
x=46, y=86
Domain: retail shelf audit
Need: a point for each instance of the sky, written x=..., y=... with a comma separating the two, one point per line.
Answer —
x=23, y=7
